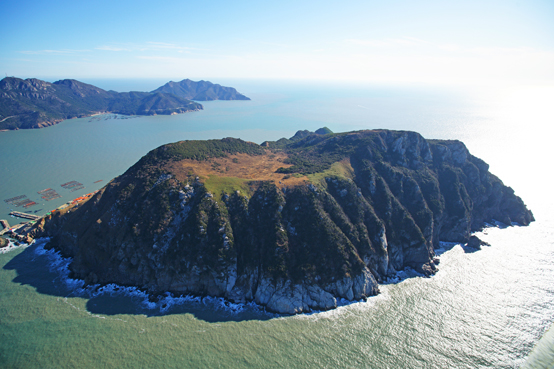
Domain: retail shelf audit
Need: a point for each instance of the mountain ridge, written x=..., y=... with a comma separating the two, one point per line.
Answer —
x=33, y=103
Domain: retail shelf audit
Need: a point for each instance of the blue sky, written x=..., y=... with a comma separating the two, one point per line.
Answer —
x=452, y=42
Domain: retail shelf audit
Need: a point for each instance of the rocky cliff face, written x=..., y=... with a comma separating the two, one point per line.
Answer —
x=341, y=212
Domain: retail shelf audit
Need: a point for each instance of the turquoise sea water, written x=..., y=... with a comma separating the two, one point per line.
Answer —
x=483, y=309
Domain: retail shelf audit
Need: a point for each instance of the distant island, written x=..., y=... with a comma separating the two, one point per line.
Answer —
x=33, y=103
x=200, y=91
x=293, y=225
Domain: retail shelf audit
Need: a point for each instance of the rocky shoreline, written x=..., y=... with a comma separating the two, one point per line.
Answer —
x=282, y=299
x=165, y=301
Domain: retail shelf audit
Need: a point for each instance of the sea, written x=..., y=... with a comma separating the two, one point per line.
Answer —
x=491, y=308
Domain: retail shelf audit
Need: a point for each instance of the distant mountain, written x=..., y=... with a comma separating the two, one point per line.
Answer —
x=32, y=103
x=201, y=91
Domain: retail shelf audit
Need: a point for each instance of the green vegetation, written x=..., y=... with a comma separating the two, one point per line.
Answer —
x=202, y=150
x=316, y=153
x=299, y=135
x=3, y=242
x=337, y=169
x=219, y=185
x=323, y=131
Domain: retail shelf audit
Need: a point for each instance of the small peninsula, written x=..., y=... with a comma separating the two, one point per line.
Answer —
x=33, y=103
x=293, y=225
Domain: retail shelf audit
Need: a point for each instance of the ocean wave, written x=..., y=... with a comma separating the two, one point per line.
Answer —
x=165, y=303
x=402, y=275
x=12, y=246
x=162, y=303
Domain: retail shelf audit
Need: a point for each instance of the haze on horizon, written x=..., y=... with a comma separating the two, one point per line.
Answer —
x=438, y=42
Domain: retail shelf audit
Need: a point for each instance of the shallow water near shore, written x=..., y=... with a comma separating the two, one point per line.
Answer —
x=484, y=309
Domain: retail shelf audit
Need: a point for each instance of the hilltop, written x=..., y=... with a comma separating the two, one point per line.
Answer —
x=293, y=225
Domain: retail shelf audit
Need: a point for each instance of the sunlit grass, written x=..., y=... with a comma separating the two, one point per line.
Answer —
x=340, y=169
x=218, y=185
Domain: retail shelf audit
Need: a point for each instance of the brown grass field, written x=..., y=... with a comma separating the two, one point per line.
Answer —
x=238, y=171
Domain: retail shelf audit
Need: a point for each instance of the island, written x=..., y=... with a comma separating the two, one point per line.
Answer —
x=33, y=103
x=294, y=225
x=200, y=91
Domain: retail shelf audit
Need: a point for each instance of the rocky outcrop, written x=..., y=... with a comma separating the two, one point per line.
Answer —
x=475, y=242
x=361, y=206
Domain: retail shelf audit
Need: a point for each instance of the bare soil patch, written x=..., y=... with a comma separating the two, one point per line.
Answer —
x=248, y=167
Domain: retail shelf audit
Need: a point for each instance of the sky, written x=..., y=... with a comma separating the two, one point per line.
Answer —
x=396, y=41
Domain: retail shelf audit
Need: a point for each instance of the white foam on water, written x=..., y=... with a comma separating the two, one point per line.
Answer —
x=345, y=307
x=166, y=302
x=444, y=247
x=402, y=275
x=12, y=246
x=163, y=303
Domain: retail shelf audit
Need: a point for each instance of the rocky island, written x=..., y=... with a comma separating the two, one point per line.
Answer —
x=200, y=91
x=293, y=224
x=33, y=103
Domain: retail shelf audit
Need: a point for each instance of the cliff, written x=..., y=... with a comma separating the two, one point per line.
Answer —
x=33, y=103
x=292, y=225
x=201, y=91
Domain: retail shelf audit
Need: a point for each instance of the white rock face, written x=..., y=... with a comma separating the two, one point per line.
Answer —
x=364, y=285
x=286, y=298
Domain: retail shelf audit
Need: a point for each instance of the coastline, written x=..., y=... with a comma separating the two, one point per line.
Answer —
x=26, y=231
x=163, y=303
x=50, y=123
